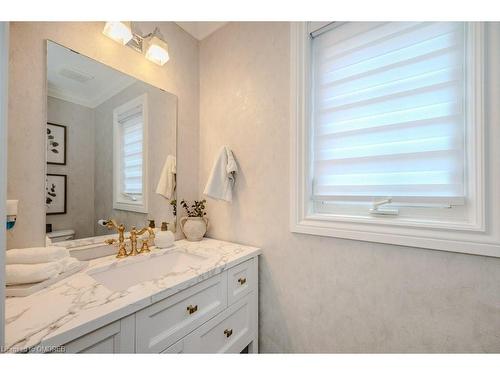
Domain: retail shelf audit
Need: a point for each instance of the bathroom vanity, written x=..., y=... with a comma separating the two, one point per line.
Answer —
x=192, y=298
x=196, y=297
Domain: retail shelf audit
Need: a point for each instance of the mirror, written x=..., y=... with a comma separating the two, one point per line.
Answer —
x=111, y=148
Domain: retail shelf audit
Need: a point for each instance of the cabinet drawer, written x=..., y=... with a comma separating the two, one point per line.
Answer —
x=117, y=337
x=177, y=348
x=162, y=324
x=242, y=279
x=229, y=332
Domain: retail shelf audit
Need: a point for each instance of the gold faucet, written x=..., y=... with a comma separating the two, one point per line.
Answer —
x=122, y=251
x=133, y=240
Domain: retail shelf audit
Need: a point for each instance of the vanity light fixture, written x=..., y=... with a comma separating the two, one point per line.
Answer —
x=120, y=32
x=152, y=45
x=157, y=51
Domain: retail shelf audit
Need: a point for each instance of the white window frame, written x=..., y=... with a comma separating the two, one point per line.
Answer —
x=473, y=235
x=121, y=201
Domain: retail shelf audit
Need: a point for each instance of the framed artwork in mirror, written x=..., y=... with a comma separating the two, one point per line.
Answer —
x=56, y=144
x=55, y=194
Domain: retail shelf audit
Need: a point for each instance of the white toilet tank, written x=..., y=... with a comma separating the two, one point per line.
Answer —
x=61, y=235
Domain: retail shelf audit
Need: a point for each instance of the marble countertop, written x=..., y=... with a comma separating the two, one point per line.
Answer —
x=79, y=304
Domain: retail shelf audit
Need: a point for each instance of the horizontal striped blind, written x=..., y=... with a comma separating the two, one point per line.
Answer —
x=387, y=110
x=131, y=144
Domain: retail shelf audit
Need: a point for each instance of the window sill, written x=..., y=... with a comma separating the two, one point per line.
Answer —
x=417, y=223
x=468, y=243
x=141, y=208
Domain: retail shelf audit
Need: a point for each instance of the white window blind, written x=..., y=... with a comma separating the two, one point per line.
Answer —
x=131, y=144
x=387, y=110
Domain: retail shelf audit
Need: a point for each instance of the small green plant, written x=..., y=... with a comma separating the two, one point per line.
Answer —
x=197, y=209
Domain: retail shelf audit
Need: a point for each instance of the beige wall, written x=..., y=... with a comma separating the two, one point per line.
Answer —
x=28, y=112
x=322, y=294
x=79, y=168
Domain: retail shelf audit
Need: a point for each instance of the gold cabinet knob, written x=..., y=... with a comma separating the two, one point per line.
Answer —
x=192, y=309
x=228, y=332
x=242, y=280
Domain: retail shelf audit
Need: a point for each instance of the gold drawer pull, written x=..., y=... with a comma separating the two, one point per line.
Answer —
x=242, y=280
x=192, y=309
x=228, y=332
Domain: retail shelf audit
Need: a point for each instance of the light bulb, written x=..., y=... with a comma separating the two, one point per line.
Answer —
x=157, y=51
x=118, y=31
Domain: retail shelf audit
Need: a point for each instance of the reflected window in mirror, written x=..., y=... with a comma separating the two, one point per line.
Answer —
x=129, y=167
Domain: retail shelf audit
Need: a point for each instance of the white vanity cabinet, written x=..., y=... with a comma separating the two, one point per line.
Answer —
x=165, y=322
x=229, y=332
x=216, y=315
x=117, y=337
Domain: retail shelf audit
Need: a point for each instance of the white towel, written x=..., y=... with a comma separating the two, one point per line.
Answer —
x=166, y=183
x=34, y=273
x=31, y=273
x=35, y=255
x=68, y=264
x=222, y=177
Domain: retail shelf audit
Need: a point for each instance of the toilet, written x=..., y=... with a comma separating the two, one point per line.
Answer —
x=61, y=235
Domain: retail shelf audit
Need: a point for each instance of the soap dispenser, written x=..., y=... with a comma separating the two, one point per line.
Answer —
x=164, y=238
x=153, y=226
x=11, y=213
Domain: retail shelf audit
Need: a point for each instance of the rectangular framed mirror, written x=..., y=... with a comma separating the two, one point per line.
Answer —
x=111, y=148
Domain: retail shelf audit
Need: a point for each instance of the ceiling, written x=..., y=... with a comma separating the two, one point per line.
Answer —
x=81, y=80
x=200, y=30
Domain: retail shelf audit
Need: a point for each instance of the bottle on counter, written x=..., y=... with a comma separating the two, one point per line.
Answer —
x=152, y=225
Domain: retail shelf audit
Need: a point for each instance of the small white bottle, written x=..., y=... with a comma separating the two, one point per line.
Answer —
x=164, y=238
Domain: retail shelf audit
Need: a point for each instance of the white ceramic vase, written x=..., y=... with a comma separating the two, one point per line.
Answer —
x=194, y=228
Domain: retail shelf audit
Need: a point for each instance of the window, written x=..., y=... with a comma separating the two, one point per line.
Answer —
x=130, y=156
x=388, y=133
x=387, y=112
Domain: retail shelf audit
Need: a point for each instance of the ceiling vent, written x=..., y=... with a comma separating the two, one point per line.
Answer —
x=75, y=75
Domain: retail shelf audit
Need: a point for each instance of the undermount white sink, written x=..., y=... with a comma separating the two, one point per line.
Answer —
x=142, y=268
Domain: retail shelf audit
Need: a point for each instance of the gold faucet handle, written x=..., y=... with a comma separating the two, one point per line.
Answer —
x=110, y=241
x=145, y=247
x=122, y=252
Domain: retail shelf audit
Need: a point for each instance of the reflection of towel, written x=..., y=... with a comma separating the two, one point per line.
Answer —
x=166, y=184
x=31, y=273
x=34, y=255
x=222, y=177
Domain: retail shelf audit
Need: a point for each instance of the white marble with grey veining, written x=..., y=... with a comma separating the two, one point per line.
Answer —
x=80, y=304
